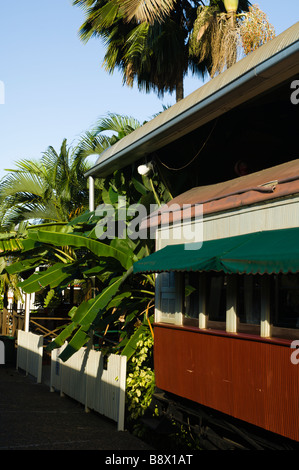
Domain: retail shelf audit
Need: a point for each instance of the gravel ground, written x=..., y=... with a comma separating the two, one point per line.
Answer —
x=33, y=418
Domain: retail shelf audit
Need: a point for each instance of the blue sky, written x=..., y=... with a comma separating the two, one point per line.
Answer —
x=55, y=86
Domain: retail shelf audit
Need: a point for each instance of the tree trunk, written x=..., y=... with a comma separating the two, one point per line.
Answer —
x=179, y=90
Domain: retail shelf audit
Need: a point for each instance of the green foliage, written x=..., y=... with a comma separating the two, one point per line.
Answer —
x=154, y=54
x=71, y=252
x=1, y=293
x=51, y=189
x=53, y=299
x=140, y=377
x=156, y=43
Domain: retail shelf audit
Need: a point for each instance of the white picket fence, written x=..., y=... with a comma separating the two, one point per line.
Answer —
x=30, y=354
x=85, y=378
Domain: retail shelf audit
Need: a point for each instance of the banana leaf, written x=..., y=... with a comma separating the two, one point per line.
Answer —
x=52, y=277
x=139, y=187
x=79, y=339
x=62, y=337
x=88, y=310
x=23, y=265
x=85, y=315
x=10, y=245
x=80, y=241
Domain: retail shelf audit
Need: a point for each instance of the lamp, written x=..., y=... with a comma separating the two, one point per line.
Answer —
x=145, y=169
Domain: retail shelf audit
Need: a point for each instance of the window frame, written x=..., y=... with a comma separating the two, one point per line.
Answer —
x=174, y=292
x=232, y=324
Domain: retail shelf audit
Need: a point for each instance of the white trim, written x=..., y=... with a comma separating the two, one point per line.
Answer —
x=265, y=307
x=231, y=304
x=202, y=317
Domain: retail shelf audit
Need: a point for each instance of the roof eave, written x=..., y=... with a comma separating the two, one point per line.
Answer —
x=251, y=76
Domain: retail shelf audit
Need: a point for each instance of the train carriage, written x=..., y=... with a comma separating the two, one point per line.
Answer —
x=227, y=306
x=226, y=313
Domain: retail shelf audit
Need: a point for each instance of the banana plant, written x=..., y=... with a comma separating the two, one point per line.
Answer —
x=72, y=252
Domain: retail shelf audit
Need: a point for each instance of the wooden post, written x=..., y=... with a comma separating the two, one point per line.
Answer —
x=91, y=193
x=14, y=323
x=202, y=321
x=265, y=306
x=231, y=305
x=27, y=312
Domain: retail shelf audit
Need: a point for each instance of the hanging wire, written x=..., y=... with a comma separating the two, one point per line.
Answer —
x=196, y=155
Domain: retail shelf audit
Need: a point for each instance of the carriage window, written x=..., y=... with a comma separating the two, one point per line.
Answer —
x=168, y=293
x=205, y=293
x=191, y=301
x=285, y=306
x=216, y=300
x=169, y=298
x=249, y=304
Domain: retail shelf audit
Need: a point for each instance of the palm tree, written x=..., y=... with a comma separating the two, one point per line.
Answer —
x=106, y=132
x=221, y=27
x=155, y=54
x=52, y=189
x=226, y=30
x=157, y=42
x=55, y=187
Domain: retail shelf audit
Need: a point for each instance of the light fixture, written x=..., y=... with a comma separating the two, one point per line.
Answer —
x=145, y=169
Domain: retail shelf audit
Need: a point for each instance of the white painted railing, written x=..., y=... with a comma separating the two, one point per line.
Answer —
x=85, y=378
x=30, y=354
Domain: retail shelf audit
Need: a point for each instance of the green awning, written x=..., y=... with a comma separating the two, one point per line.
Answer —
x=273, y=251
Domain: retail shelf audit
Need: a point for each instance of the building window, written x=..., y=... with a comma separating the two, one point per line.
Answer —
x=205, y=296
x=249, y=304
x=216, y=284
x=168, y=292
x=264, y=305
x=191, y=298
x=284, y=306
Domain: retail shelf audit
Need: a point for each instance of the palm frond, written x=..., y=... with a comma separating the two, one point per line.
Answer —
x=50, y=189
x=22, y=182
x=119, y=124
x=146, y=10
x=92, y=144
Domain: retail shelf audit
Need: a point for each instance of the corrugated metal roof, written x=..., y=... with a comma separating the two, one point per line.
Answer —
x=261, y=70
x=265, y=185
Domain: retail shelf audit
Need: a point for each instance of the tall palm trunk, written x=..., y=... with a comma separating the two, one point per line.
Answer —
x=179, y=90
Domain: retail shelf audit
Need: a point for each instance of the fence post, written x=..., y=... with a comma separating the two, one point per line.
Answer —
x=122, y=393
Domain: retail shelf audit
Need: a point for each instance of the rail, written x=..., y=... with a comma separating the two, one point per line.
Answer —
x=12, y=320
